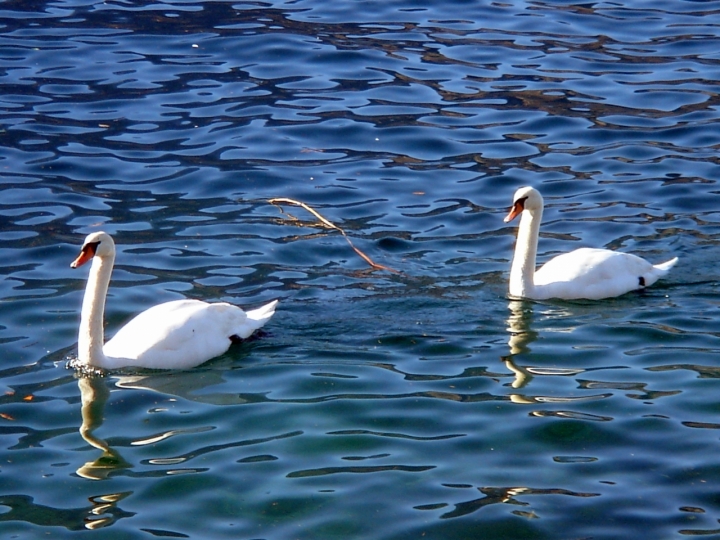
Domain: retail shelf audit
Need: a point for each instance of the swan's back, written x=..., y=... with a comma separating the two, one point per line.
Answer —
x=181, y=334
x=595, y=274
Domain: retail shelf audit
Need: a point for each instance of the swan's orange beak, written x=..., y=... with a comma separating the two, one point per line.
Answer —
x=515, y=210
x=86, y=253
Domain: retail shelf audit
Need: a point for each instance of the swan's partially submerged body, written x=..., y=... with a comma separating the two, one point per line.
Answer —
x=174, y=335
x=191, y=332
x=585, y=273
x=595, y=274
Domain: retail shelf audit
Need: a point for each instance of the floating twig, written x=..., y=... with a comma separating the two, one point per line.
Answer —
x=331, y=225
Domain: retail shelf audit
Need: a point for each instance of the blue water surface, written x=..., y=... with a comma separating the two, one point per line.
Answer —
x=416, y=401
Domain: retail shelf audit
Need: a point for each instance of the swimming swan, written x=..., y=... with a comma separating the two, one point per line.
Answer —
x=174, y=335
x=584, y=273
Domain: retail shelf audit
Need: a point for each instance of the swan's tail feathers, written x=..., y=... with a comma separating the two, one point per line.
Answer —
x=262, y=314
x=666, y=266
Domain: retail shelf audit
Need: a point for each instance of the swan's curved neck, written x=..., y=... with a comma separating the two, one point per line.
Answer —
x=522, y=271
x=91, y=336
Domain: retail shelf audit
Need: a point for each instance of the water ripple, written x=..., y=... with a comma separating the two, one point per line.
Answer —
x=408, y=125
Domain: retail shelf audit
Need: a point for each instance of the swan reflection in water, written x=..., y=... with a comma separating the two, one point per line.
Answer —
x=94, y=394
x=521, y=336
x=95, y=391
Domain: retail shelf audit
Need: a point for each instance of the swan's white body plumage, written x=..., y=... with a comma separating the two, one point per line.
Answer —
x=181, y=334
x=585, y=273
x=174, y=335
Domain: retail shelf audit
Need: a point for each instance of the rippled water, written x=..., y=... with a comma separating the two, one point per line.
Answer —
x=420, y=403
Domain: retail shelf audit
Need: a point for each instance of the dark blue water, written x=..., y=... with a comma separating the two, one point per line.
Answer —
x=420, y=403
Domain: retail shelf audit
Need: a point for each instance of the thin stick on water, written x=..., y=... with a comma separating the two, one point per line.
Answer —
x=331, y=225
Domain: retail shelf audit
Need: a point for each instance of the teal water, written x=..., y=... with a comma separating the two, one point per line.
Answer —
x=421, y=403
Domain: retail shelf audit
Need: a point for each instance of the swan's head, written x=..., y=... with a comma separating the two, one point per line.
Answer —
x=525, y=198
x=97, y=244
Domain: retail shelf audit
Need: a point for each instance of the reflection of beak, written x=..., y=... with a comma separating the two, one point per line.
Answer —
x=515, y=210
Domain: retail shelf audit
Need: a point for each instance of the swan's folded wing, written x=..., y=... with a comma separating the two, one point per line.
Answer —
x=176, y=335
x=594, y=274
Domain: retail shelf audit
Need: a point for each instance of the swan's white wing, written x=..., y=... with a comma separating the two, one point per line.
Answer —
x=594, y=274
x=178, y=335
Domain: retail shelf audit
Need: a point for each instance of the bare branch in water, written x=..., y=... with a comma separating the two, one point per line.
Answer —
x=331, y=225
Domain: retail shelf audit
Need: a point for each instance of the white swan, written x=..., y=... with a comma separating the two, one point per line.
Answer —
x=174, y=335
x=584, y=273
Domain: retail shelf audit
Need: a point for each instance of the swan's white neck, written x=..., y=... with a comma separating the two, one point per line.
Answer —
x=522, y=271
x=91, y=336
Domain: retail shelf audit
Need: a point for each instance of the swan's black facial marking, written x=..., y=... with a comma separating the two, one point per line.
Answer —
x=641, y=281
x=520, y=203
x=90, y=248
